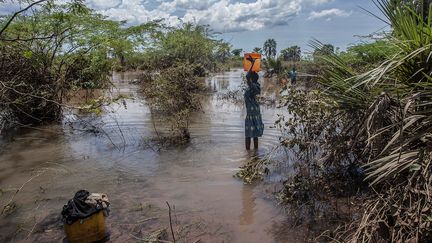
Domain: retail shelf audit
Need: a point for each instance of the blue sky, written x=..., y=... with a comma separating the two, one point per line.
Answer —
x=341, y=31
x=248, y=23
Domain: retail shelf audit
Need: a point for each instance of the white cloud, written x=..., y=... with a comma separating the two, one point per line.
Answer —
x=230, y=17
x=186, y=4
x=103, y=4
x=328, y=14
x=135, y=12
x=221, y=15
x=317, y=2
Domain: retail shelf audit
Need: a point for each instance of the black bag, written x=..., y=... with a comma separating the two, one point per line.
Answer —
x=77, y=208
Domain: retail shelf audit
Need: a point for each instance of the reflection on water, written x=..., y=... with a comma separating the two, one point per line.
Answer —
x=247, y=216
x=197, y=178
x=248, y=204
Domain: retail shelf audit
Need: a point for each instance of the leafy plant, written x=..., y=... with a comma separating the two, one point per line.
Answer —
x=273, y=67
x=174, y=94
x=189, y=44
x=58, y=48
x=292, y=54
x=269, y=48
x=257, y=50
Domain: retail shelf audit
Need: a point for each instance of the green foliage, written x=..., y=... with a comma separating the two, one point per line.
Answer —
x=174, y=94
x=57, y=48
x=222, y=52
x=269, y=48
x=273, y=67
x=237, y=52
x=363, y=57
x=312, y=131
x=254, y=170
x=190, y=44
x=27, y=92
x=96, y=106
x=87, y=71
x=127, y=43
x=323, y=50
x=174, y=61
x=257, y=50
x=292, y=54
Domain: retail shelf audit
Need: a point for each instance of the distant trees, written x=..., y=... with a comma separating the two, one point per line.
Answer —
x=269, y=48
x=223, y=51
x=257, y=50
x=190, y=44
x=365, y=56
x=292, y=53
x=237, y=52
x=420, y=6
x=324, y=50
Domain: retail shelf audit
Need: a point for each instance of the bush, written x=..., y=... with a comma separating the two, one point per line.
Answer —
x=58, y=48
x=174, y=94
x=29, y=92
x=88, y=71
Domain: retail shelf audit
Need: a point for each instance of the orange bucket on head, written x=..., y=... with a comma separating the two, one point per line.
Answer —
x=247, y=64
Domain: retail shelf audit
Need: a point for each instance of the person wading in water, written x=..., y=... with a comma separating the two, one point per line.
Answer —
x=254, y=126
x=293, y=76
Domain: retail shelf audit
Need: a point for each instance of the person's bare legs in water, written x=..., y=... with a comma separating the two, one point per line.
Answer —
x=248, y=143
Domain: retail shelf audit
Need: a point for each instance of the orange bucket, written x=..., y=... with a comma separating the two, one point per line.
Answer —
x=88, y=230
x=247, y=64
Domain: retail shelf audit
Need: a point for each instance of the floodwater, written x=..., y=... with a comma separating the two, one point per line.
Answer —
x=49, y=164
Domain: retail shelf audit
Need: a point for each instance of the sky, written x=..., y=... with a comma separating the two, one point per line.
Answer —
x=248, y=23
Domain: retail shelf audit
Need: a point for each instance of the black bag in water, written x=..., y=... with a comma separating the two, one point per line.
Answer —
x=77, y=208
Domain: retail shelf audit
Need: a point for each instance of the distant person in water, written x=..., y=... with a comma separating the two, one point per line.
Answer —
x=293, y=76
x=254, y=126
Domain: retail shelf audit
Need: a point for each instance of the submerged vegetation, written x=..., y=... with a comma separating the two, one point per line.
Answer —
x=174, y=94
x=173, y=65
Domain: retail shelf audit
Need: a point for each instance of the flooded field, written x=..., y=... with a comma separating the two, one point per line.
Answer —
x=49, y=164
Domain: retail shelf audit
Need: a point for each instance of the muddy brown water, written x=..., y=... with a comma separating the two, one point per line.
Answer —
x=51, y=163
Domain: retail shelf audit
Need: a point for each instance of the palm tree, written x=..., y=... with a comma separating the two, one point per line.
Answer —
x=269, y=48
x=292, y=53
x=324, y=50
x=223, y=51
x=237, y=52
x=257, y=50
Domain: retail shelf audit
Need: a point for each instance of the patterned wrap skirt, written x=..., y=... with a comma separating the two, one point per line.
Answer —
x=254, y=127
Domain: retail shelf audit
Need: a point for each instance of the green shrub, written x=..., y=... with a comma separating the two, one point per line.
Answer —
x=174, y=94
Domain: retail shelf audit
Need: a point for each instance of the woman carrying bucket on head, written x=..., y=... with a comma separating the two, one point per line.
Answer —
x=254, y=126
